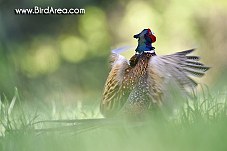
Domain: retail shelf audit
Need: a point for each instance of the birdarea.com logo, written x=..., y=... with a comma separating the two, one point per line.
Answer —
x=36, y=10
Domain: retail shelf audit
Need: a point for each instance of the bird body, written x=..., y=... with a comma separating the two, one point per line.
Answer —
x=122, y=80
x=135, y=87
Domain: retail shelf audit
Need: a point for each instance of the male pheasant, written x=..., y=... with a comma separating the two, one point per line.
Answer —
x=146, y=81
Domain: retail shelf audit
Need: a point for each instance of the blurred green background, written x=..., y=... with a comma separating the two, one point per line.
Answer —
x=65, y=57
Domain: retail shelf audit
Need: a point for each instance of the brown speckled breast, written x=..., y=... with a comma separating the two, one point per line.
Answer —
x=135, y=81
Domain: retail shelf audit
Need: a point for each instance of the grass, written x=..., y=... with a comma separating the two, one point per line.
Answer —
x=201, y=124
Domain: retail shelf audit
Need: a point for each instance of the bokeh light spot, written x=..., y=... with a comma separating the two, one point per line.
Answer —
x=139, y=15
x=73, y=49
x=93, y=27
x=42, y=60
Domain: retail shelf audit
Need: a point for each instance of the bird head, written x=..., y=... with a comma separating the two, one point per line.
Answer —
x=145, y=40
x=146, y=34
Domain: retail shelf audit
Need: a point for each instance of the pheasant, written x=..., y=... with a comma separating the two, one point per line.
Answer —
x=142, y=84
x=145, y=82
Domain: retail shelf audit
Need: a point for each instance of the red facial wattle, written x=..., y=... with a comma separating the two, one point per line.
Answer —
x=151, y=36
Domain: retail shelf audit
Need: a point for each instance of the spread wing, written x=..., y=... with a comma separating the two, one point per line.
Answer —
x=173, y=70
x=115, y=95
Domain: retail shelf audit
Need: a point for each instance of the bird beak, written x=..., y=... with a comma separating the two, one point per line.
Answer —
x=136, y=36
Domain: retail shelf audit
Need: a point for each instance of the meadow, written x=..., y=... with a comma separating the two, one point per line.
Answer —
x=198, y=125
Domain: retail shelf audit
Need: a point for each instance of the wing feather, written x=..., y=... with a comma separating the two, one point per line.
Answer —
x=175, y=68
x=113, y=91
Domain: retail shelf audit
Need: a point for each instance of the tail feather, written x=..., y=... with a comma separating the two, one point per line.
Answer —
x=83, y=125
x=78, y=125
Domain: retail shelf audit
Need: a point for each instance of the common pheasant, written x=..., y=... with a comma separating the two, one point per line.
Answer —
x=146, y=81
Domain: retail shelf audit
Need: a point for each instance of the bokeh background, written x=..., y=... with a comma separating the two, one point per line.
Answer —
x=65, y=57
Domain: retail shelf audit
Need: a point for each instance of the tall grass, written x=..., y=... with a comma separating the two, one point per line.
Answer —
x=201, y=124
